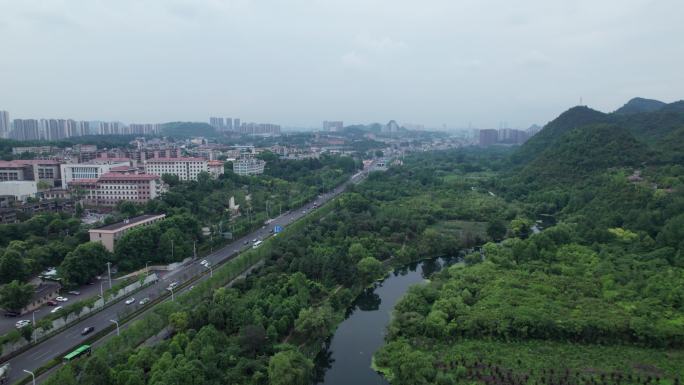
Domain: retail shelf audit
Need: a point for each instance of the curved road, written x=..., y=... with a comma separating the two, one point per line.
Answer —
x=35, y=357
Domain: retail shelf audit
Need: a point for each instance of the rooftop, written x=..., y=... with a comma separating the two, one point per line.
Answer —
x=129, y=222
x=153, y=160
x=118, y=176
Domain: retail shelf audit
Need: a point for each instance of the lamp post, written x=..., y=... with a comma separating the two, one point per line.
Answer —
x=102, y=292
x=117, y=326
x=32, y=375
x=147, y=270
x=109, y=273
x=172, y=299
x=33, y=315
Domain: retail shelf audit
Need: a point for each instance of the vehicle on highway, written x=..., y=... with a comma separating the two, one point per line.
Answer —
x=4, y=373
x=172, y=286
x=21, y=323
x=80, y=351
x=204, y=263
x=51, y=303
x=257, y=244
x=246, y=242
x=87, y=330
x=130, y=301
x=61, y=299
x=75, y=292
x=56, y=309
x=303, y=211
x=11, y=314
x=254, y=240
x=144, y=300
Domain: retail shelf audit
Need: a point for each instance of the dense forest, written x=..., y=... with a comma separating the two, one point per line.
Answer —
x=596, y=299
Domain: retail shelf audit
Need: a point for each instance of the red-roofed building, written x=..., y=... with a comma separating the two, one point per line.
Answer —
x=184, y=168
x=216, y=168
x=111, y=188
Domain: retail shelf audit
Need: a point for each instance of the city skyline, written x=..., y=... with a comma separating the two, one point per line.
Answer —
x=455, y=63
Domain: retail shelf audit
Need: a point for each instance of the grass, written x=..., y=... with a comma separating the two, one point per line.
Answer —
x=461, y=228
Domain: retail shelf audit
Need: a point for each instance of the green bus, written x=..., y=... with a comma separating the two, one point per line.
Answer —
x=81, y=350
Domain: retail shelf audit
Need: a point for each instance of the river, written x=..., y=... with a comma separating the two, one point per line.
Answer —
x=347, y=357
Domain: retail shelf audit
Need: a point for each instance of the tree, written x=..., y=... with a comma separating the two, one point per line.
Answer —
x=12, y=266
x=179, y=320
x=496, y=229
x=85, y=262
x=171, y=179
x=252, y=338
x=314, y=322
x=15, y=295
x=289, y=368
x=370, y=269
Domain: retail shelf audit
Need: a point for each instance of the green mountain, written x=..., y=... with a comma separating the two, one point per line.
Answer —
x=585, y=150
x=638, y=105
x=188, y=129
x=573, y=118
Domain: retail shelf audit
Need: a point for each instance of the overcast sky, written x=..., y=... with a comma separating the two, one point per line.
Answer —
x=298, y=62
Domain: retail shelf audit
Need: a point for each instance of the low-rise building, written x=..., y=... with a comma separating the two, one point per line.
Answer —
x=216, y=168
x=248, y=166
x=20, y=190
x=108, y=235
x=45, y=291
x=111, y=188
x=185, y=168
x=82, y=171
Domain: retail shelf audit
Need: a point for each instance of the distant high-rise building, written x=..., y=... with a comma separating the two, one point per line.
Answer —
x=217, y=123
x=229, y=124
x=236, y=124
x=391, y=127
x=334, y=125
x=27, y=129
x=4, y=124
x=488, y=137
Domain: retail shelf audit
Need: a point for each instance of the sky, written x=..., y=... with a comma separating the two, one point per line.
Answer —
x=453, y=63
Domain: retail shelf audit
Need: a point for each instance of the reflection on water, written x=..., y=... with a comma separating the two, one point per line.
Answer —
x=346, y=358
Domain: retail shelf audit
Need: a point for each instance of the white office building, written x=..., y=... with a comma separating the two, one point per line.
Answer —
x=84, y=171
x=248, y=166
x=184, y=168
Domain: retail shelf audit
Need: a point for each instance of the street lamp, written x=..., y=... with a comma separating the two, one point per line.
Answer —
x=117, y=326
x=32, y=375
x=109, y=273
x=147, y=270
x=171, y=288
x=211, y=269
x=35, y=336
x=102, y=292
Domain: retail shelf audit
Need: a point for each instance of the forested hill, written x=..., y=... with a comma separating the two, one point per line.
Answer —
x=637, y=105
x=584, y=151
x=573, y=118
x=582, y=141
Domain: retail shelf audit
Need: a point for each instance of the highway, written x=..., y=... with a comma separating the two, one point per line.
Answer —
x=38, y=355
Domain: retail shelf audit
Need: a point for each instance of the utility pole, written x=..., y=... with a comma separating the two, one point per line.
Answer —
x=194, y=248
x=172, y=299
x=172, y=249
x=147, y=269
x=102, y=292
x=109, y=273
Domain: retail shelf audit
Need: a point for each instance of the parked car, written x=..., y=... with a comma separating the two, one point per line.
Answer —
x=204, y=262
x=75, y=292
x=172, y=285
x=61, y=299
x=87, y=330
x=130, y=301
x=11, y=314
x=56, y=309
x=144, y=301
x=21, y=323
x=51, y=303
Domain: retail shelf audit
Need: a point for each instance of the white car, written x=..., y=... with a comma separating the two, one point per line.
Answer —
x=130, y=301
x=56, y=309
x=204, y=262
x=172, y=286
x=75, y=292
x=61, y=299
x=144, y=301
x=21, y=323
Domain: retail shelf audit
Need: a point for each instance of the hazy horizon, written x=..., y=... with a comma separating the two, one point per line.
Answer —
x=306, y=61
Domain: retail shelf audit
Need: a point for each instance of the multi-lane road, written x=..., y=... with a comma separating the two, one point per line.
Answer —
x=36, y=356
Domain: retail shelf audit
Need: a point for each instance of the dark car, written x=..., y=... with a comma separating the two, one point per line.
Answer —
x=87, y=330
x=51, y=303
x=11, y=314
